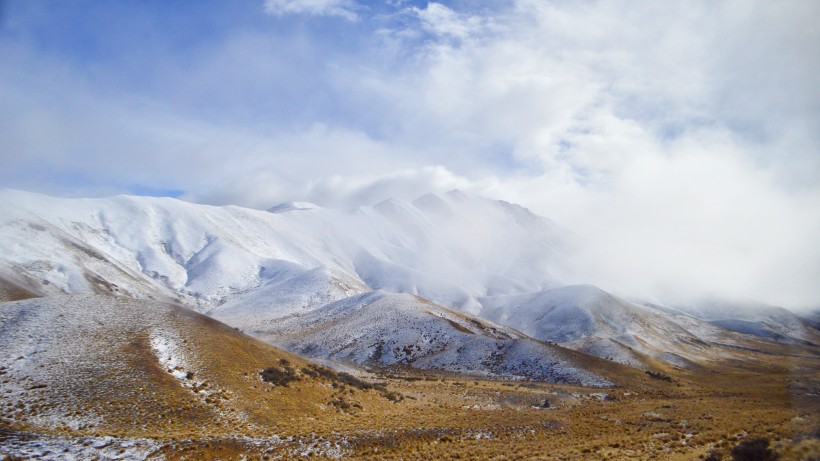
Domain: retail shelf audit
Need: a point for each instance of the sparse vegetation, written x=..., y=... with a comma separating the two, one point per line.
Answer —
x=753, y=450
x=278, y=376
x=233, y=396
x=659, y=376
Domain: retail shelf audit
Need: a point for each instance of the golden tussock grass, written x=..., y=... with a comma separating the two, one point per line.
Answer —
x=227, y=411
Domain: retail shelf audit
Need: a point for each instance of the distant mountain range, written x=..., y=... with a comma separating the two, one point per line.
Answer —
x=452, y=282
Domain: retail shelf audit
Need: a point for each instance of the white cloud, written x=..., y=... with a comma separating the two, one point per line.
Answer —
x=409, y=184
x=678, y=140
x=672, y=138
x=342, y=8
x=438, y=19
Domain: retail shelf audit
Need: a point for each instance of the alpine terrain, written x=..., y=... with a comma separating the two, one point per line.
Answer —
x=152, y=327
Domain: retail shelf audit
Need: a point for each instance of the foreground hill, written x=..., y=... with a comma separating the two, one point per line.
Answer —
x=386, y=330
x=89, y=365
x=95, y=377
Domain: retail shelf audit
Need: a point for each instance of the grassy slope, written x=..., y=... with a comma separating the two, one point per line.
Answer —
x=109, y=379
x=11, y=291
x=699, y=411
x=132, y=394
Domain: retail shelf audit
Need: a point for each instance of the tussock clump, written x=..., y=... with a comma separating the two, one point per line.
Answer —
x=753, y=450
x=278, y=377
x=345, y=406
x=660, y=376
x=285, y=375
x=339, y=379
x=392, y=396
x=310, y=373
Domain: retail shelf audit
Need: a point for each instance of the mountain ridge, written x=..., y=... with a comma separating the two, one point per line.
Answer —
x=255, y=269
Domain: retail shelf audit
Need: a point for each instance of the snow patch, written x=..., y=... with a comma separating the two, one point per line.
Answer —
x=59, y=448
x=170, y=356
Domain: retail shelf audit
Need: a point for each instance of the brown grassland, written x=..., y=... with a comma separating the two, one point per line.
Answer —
x=231, y=412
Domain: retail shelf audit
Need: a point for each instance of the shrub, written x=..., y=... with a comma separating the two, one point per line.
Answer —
x=659, y=375
x=278, y=377
x=753, y=450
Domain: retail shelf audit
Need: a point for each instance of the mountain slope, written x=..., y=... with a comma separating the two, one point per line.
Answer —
x=452, y=252
x=13, y=291
x=394, y=330
x=590, y=320
x=88, y=364
x=252, y=268
x=756, y=319
x=153, y=247
x=287, y=293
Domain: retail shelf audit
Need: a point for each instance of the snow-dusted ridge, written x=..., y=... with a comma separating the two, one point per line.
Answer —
x=293, y=206
x=205, y=256
x=382, y=329
x=588, y=319
x=753, y=318
x=266, y=271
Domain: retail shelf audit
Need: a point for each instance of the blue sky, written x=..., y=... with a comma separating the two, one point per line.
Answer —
x=684, y=131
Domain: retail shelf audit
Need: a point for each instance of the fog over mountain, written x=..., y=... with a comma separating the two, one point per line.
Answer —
x=410, y=229
x=375, y=286
x=677, y=142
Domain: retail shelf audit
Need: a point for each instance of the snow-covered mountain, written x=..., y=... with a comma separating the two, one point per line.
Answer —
x=451, y=249
x=812, y=318
x=588, y=319
x=753, y=318
x=383, y=329
x=297, y=265
x=156, y=247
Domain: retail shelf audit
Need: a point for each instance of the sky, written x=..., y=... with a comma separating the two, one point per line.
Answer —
x=679, y=140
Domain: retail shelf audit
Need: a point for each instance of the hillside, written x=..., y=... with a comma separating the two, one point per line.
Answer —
x=394, y=331
x=590, y=320
x=100, y=357
x=253, y=268
x=205, y=256
x=87, y=364
x=753, y=318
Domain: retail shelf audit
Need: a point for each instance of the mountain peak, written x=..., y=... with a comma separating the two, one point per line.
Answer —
x=432, y=202
x=457, y=194
x=293, y=206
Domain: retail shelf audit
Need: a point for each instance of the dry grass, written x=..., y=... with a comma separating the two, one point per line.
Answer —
x=11, y=291
x=319, y=412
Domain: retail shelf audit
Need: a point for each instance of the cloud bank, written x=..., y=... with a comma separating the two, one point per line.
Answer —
x=678, y=140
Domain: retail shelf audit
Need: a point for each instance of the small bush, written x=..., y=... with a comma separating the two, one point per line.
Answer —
x=659, y=375
x=278, y=377
x=753, y=450
x=309, y=372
